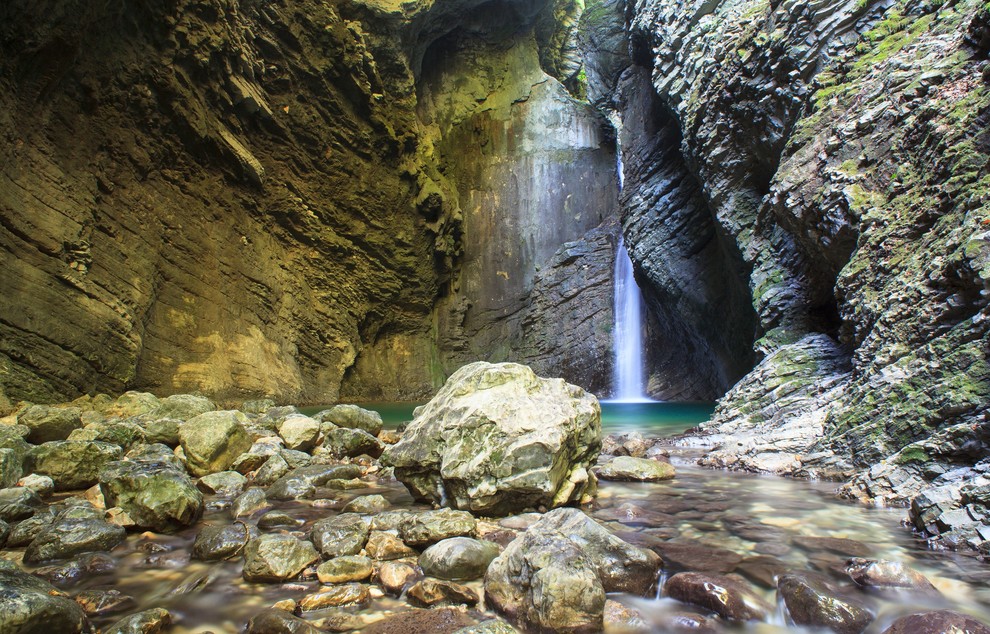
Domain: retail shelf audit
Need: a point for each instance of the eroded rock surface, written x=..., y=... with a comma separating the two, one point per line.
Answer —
x=497, y=439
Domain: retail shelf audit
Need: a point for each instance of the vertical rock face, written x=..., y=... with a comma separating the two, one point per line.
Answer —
x=528, y=168
x=252, y=199
x=841, y=150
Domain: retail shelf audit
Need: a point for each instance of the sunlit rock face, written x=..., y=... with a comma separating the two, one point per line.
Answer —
x=253, y=199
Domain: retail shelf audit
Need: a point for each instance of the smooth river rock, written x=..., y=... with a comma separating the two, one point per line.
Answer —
x=458, y=558
x=627, y=468
x=937, y=622
x=730, y=598
x=814, y=602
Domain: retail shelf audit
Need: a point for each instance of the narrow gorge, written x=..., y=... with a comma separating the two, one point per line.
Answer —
x=271, y=202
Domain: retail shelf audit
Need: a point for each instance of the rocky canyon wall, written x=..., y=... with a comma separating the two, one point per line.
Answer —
x=842, y=149
x=299, y=200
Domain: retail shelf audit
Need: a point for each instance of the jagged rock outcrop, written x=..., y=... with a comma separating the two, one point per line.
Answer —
x=841, y=149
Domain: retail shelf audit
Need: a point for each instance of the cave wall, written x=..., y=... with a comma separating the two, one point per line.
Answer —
x=245, y=198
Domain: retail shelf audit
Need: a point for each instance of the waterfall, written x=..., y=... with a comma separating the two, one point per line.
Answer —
x=628, y=383
x=628, y=332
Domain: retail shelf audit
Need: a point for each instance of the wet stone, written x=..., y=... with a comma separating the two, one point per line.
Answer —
x=70, y=536
x=24, y=532
x=29, y=604
x=226, y=484
x=847, y=547
x=216, y=543
x=629, y=469
x=491, y=626
x=248, y=503
x=937, y=622
x=437, y=621
x=430, y=527
x=389, y=520
x=731, y=599
x=383, y=546
x=276, y=557
x=621, y=618
x=153, y=621
x=154, y=492
x=686, y=623
x=10, y=467
x=277, y=519
x=334, y=596
x=344, y=569
x=4, y=533
x=879, y=574
x=79, y=569
x=366, y=504
x=812, y=601
x=274, y=621
x=697, y=557
x=395, y=576
x=431, y=592
x=762, y=570
x=18, y=503
x=343, y=534
x=94, y=602
x=458, y=558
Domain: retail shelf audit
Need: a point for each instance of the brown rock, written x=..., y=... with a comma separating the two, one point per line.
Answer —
x=812, y=601
x=848, y=547
x=333, y=596
x=430, y=592
x=386, y=546
x=439, y=621
x=937, y=622
x=875, y=573
x=394, y=576
x=730, y=598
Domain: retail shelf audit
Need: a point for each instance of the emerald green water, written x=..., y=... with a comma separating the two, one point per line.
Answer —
x=655, y=419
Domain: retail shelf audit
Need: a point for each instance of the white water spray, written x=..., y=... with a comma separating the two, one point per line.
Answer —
x=628, y=332
x=628, y=384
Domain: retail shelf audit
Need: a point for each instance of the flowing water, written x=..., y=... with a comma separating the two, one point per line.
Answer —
x=629, y=384
x=754, y=526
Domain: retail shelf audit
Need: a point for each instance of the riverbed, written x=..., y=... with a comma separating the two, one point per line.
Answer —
x=708, y=521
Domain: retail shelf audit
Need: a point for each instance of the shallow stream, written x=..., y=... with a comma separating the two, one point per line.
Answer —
x=701, y=520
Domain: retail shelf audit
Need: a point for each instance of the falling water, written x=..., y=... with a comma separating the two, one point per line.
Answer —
x=628, y=332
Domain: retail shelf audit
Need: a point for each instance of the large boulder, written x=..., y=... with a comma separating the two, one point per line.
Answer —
x=497, y=439
x=29, y=604
x=152, y=490
x=212, y=441
x=555, y=576
x=72, y=464
x=48, y=423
